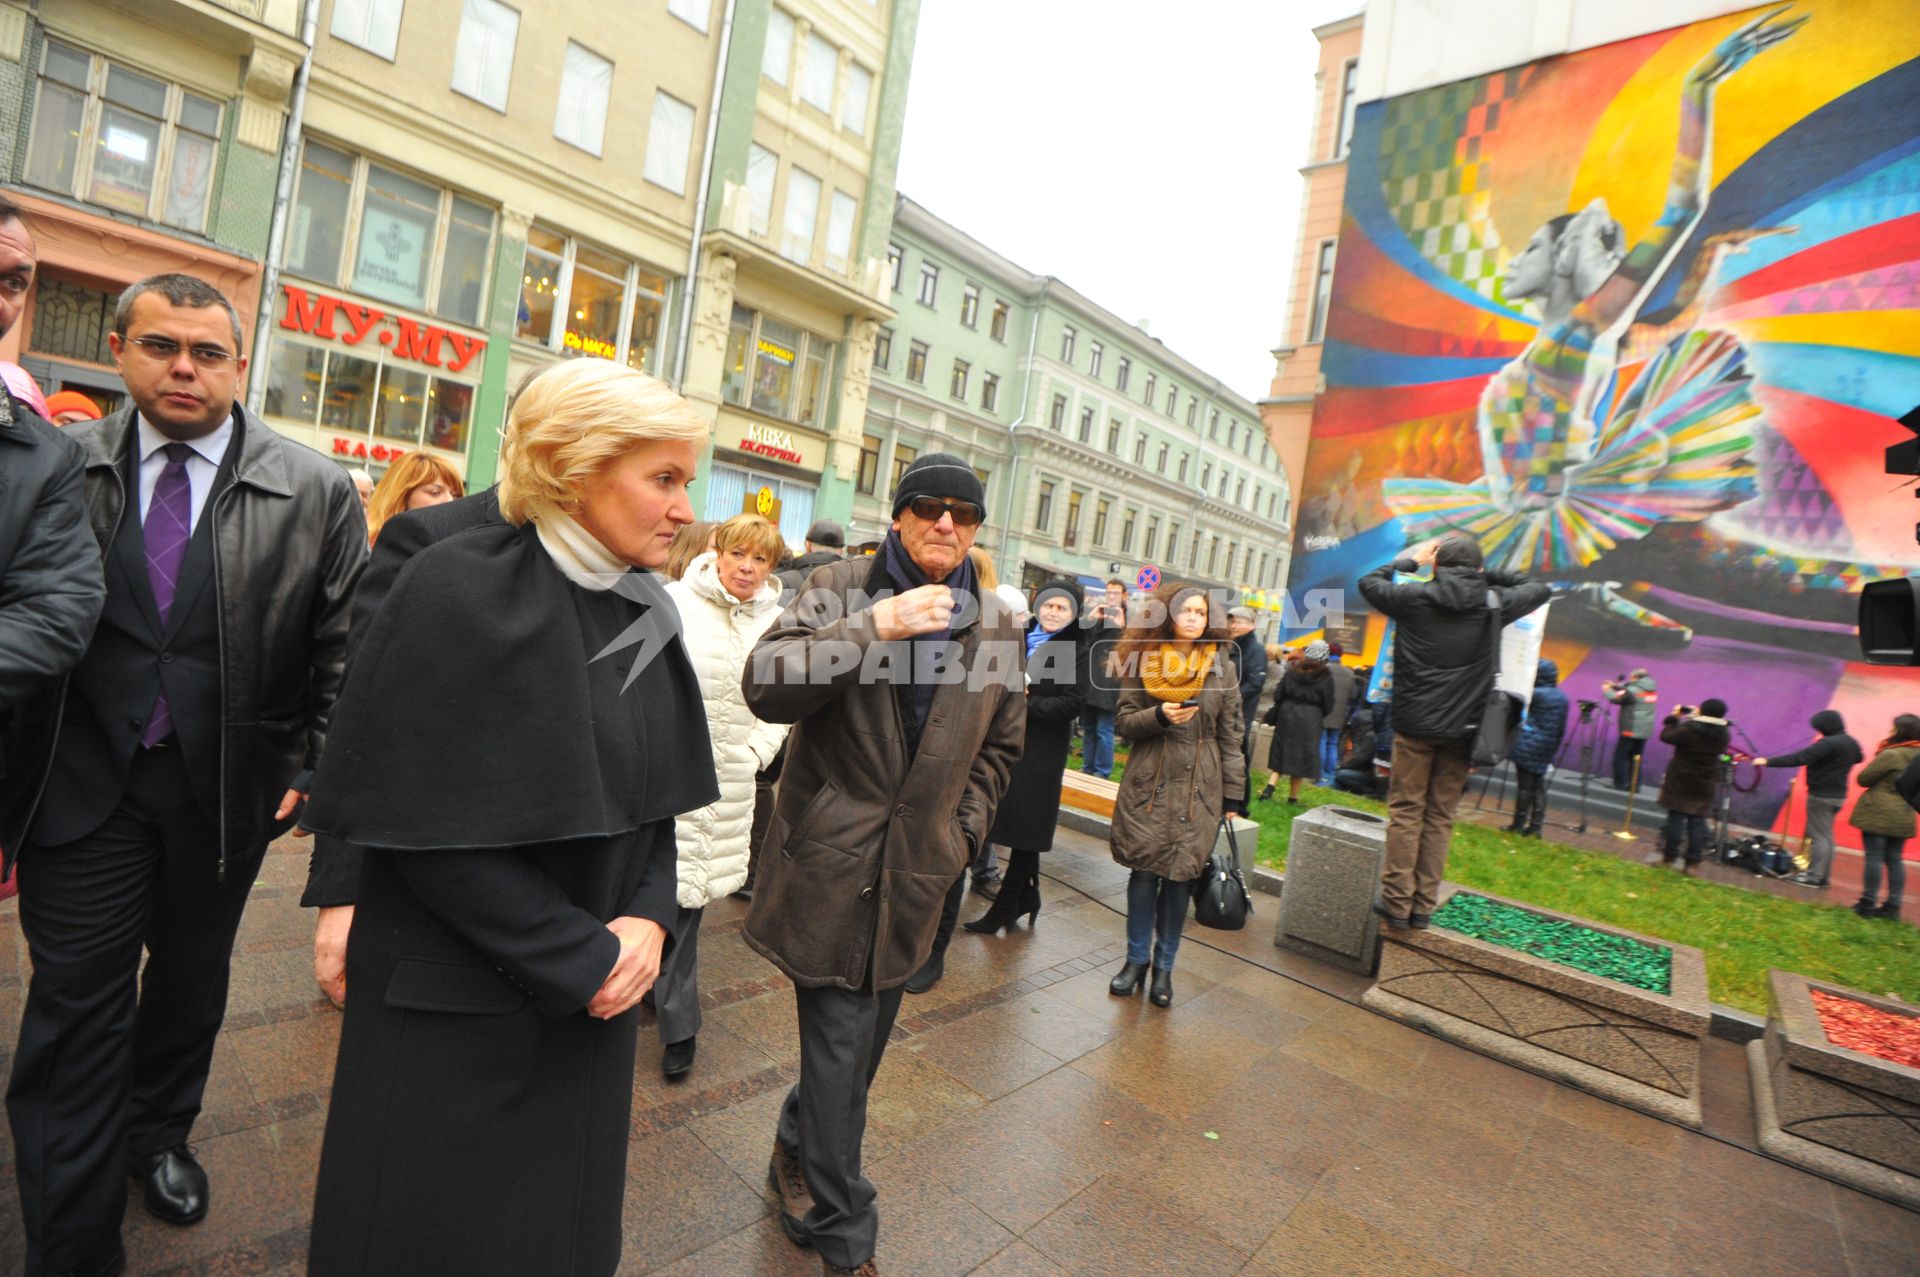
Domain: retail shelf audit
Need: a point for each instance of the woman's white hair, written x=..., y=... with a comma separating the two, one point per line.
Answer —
x=573, y=419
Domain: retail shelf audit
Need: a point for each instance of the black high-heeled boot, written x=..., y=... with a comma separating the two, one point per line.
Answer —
x=1161, y=992
x=1128, y=981
x=1019, y=893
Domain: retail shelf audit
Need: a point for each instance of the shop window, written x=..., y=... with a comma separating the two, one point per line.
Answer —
x=869, y=464
x=375, y=398
x=71, y=321
x=731, y=490
x=853, y=108
x=801, y=217
x=776, y=368
x=763, y=170
x=669, y=144
x=580, y=300
x=407, y=240
x=373, y=25
x=776, y=56
x=483, y=53
x=586, y=82
x=122, y=140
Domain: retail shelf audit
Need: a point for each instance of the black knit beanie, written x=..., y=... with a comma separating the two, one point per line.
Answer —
x=939, y=474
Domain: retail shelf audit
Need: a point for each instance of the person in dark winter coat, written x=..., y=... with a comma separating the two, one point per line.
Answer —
x=1104, y=621
x=826, y=543
x=1698, y=738
x=1305, y=698
x=1829, y=761
x=1250, y=665
x=1533, y=751
x=1885, y=819
x=1057, y=674
x=1357, y=773
x=1443, y=668
x=1344, y=686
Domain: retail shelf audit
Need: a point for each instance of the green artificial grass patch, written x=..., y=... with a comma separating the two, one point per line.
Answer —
x=1600, y=953
x=1742, y=933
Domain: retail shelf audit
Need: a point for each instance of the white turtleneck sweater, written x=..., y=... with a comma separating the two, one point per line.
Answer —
x=578, y=553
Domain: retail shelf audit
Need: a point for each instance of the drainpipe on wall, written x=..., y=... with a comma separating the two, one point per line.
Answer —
x=1013, y=455
x=700, y=200
x=282, y=206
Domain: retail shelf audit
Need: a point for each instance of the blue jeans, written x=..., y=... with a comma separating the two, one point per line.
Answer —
x=1097, y=729
x=1880, y=850
x=1329, y=754
x=1155, y=906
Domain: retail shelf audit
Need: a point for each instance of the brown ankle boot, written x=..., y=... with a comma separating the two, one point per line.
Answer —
x=868, y=1269
x=790, y=1185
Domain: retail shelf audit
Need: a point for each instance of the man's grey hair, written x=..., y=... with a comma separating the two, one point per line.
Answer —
x=10, y=211
x=180, y=290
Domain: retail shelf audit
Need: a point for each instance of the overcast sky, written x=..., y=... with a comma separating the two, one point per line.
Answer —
x=1147, y=152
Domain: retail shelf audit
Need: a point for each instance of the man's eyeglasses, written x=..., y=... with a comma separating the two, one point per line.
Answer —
x=163, y=351
x=965, y=513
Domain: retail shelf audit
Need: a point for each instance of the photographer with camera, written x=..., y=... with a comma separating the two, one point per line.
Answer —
x=1638, y=700
x=1829, y=760
x=1533, y=752
x=1699, y=736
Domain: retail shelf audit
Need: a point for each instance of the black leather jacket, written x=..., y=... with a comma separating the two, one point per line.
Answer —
x=289, y=543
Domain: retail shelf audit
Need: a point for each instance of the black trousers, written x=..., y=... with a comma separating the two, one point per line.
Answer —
x=1530, y=798
x=842, y=1037
x=949, y=916
x=1624, y=752
x=111, y=1064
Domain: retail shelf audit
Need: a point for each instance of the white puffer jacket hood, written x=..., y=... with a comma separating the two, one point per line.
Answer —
x=720, y=632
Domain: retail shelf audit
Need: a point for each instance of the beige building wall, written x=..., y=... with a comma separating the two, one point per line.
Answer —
x=1288, y=410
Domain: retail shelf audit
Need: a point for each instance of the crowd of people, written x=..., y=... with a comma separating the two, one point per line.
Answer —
x=535, y=731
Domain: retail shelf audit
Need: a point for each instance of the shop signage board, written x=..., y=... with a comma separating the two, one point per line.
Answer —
x=318, y=314
x=791, y=445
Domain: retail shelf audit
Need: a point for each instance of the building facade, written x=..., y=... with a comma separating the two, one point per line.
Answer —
x=138, y=140
x=1102, y=451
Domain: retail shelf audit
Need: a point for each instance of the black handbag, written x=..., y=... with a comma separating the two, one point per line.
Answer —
x=1500, y=716
x=1220, y=897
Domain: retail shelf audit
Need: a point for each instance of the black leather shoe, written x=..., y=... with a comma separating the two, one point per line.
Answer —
x=1160, y=992
x=175, y=1187
x=1419, y=921
x=928, y=976
x=1394, y=920
x=1128, y=981
x=677, y=1060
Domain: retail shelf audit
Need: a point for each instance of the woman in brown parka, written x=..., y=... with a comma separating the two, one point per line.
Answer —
x=1179, y=707
x=1884, y=819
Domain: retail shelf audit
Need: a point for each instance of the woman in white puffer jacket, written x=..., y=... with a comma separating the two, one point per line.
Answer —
x=726, y=603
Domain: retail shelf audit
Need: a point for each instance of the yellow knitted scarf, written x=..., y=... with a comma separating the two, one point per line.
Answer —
x=1172, y=674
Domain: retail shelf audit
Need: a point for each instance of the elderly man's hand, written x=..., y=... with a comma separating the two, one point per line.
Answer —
x=634, y=971
x=330, y=952
x=917, y=611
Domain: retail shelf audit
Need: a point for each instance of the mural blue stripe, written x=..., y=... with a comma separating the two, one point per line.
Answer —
x=1870, y=380
x=1350, y=365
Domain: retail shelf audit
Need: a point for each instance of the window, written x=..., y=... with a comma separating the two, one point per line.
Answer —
x=1067, y=337
x=1222, y=494
x=802, y=215
x=1206, y=475
x=1100, y=508
x=929, y=283
x=853, y=108
x=669, y=144
x=1322, y=292
x=1240, y=491
x=869, y=462
x=371, y=395
x=1213, y=554
x=1074, y=499
x=841, y=216
x=990, y=391
x=1113, y=436
x=1183, y=467
x=1086, y=425
x=1160, y=465
x=692, y=12
x=1057, y=418
x=412, y=241
x=1153, y=536
x=917, y=363
x=586, y=80
x=997, y=326
x=896, y=259
x=1343, y=134
x=1140, y=451
x=1095, y=353
x=121, y=140
x=1173, y=395
x=763, y=170
x=1233, y=429
x=902, y=458
x=970, y=305
x=1149, y=395
x=582, y=300
x=1043, y=512
x=883, y=348
x=817, y=70
x=1193, y=406
x=1262, y=578
x=776, y=56
x=1173, y=543
x=374, y=25
x=1193, y=552
x=483, y=54
x=776, y=368
x=1213, y=424
x=958, y=387
x=1126, y=531
x=1123, y=374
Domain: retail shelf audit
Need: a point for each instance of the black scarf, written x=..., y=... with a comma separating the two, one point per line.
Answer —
x=928, y=649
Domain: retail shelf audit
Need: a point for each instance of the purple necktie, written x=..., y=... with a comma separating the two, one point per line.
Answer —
x=168, y=528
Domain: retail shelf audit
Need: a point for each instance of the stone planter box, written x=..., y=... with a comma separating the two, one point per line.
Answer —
x=1845, y=1114
x=1334, y=860
x=1619, y=1042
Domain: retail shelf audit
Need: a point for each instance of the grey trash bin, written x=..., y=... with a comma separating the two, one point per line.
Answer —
x=1334, y=862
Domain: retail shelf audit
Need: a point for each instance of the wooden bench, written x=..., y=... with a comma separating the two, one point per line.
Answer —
x=1087, y=793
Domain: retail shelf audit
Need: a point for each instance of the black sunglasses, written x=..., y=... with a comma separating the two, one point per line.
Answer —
x=965, y=513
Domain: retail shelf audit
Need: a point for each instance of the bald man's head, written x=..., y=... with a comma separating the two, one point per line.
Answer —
x=17, y=259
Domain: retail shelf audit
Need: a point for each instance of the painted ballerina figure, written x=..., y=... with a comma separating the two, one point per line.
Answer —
x=1561, y=486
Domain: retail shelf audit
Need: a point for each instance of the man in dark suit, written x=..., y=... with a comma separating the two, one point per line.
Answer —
x=230, y=558
x=50, y=587
x=333, y=873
